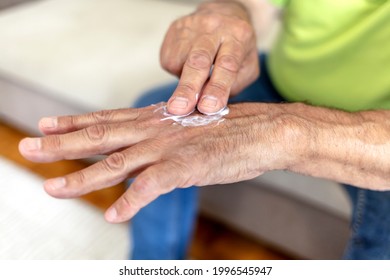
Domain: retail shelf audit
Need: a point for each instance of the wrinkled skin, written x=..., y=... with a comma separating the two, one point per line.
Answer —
x=160, y=154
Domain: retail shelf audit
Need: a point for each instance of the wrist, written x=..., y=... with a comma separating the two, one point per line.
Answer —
x=276, y=137
x=290, y=136
x=299, y=135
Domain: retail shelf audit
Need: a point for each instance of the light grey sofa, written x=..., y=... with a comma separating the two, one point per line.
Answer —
x=73, y=56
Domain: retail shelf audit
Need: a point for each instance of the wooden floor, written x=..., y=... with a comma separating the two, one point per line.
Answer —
x=212, y=240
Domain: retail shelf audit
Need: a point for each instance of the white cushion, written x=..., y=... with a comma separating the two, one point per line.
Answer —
x=93, y=53
x=37, y=226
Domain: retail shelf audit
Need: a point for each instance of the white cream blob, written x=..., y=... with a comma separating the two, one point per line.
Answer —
x=193, y=118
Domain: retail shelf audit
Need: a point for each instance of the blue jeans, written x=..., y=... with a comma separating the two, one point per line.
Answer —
x=370, y=225
x=163, y=229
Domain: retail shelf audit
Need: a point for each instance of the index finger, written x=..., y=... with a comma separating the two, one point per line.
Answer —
x=195, y=73
x=228, y=62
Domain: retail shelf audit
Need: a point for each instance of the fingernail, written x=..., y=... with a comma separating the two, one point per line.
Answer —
x=49, y=122
x=32, y=144
x=56, y=183
x=179, y=103
x=209, y=101
x=111, y=214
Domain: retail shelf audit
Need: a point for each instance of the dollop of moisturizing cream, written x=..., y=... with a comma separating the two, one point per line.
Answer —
x=194, y=118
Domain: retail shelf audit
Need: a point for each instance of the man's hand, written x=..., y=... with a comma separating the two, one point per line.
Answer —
x=214, y=53
x=351, y=148
x=160, y=155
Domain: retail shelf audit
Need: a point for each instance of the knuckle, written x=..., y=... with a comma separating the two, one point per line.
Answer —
x=229, y=62
x=145, y=184
x=179, y=23
x=137, y=113
x=243, y=30
x=71, y=121
x=182, y=28
x=115, y=162
x=126, y=203
x=53, y=142
x=81, y=178
x=96, y=134
x=210, y=21
x=186, y=88
x=199, y=60
x=219, y=86
x=183, y=171
x=102, y=116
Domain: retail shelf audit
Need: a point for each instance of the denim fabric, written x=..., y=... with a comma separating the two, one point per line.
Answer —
x=370, y=225
x=164, y=228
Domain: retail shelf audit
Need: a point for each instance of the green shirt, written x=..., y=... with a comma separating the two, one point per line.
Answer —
x=334, y=53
